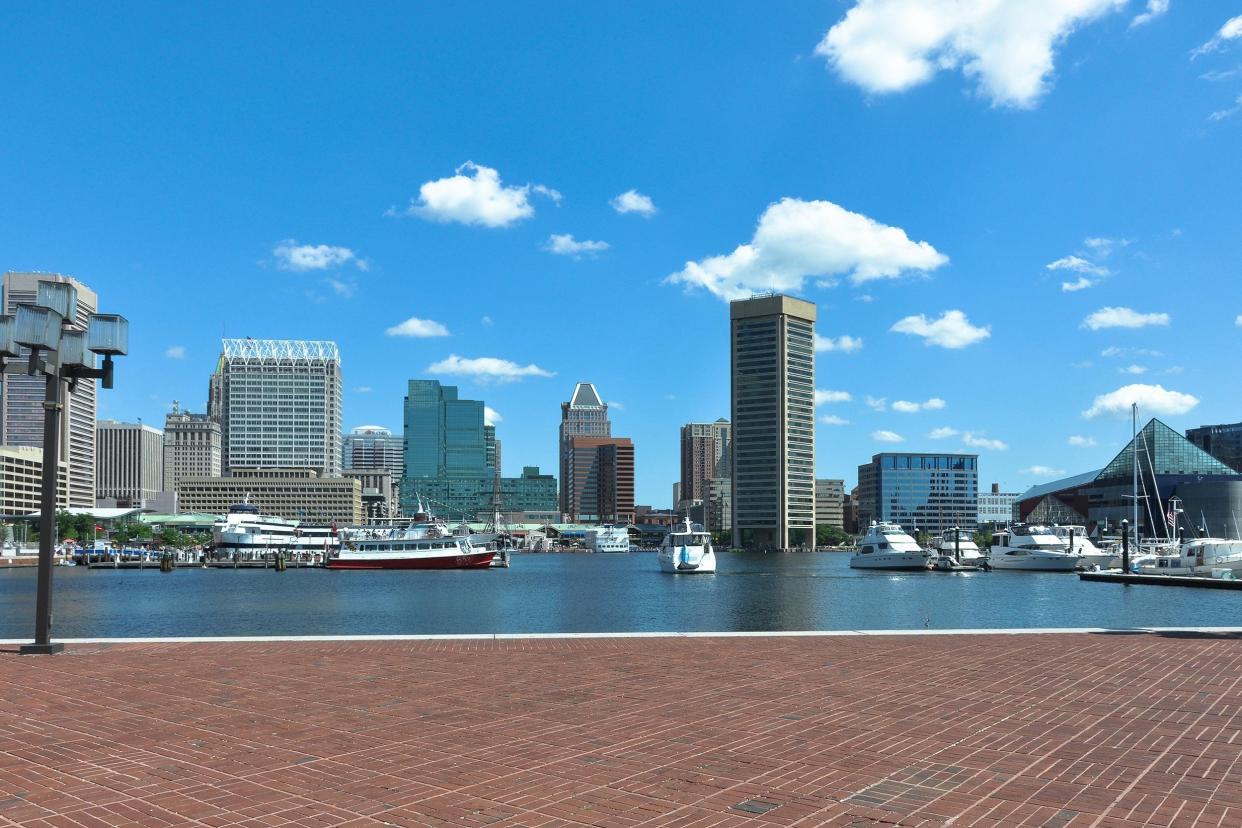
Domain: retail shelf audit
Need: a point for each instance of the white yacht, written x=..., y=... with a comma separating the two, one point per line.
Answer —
x=246, y=534
x=960, y=545
x=608, y=538
x=1030, y=548
x=1077, y=543
x=886, y=546
x=1197, y=556
x=687, y=549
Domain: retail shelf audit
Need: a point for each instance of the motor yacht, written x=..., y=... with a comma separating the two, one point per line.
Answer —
x=687, y=549
x=960, y=545
x=1197, y=556
x=887, y=546
x=1077, y=543
x=1030, y=548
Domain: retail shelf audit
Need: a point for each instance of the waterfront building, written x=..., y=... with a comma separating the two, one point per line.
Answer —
x=192, y=447
x=445, y=451
x=373, y=447
x=996, y=507
x=772, y=357
x=21, y=481
x=532, y=492
x=719, y=517
x=598, y=486
x=279, y=404
x=379, y=491
x=1169, y=466
x=704, y=458
x=295, y=493
x=21, y=404
x=585, y=415
x=830, y=503
x=1224, y=442
x=922, y=492
x=130, y=463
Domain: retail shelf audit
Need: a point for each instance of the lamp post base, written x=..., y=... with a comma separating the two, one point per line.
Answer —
x=41, y=649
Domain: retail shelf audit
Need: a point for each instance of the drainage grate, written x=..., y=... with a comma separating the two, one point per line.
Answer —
x=756, y=806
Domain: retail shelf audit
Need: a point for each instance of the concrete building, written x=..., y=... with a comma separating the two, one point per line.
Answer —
x=1224, y=442
x=585, y=415
x=996, y=507
x=130, y=464
x=922, y=492
x=830, y=503
x=279, y=404
x=719, y=505
x=851, y=512
x=21, y=481
x=300, y=494
x=21, y=404
x=772, y=355
x=379, y=491
x=374, y=447
x=192, y=447
x=704, y=458
x=598, y=486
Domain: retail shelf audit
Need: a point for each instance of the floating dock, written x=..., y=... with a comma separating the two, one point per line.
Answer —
x=1160, y=580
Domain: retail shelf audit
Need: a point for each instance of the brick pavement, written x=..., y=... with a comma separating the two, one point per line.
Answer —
x=1063, y=731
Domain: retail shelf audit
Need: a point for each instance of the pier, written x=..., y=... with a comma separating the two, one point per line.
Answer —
x=992, y=729
x=1160, y=580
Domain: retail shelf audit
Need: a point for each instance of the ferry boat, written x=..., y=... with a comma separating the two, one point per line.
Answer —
x=887, y=546
x=422, y=543
x=608, y=538
x=1030, y=548
x=245, y=533
x=687, y=549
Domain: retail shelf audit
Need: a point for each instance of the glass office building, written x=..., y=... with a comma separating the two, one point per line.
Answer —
x=922, y=492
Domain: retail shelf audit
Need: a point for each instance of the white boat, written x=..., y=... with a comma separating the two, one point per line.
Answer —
x=608, y=538
x=1198, y=556
x=422, y=543
x=246, y=534
x=1077, y=543
x=687, y=549
x=960, y=545
x=887, y=546
x=1030, y=548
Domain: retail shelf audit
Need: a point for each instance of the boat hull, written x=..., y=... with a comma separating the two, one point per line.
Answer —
x=481, y=559
x=706, y=565
x=1066, y=564
x=891, y=563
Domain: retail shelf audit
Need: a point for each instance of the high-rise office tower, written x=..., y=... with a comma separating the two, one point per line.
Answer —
x=598, y=482
x=279, y=404
x=192, y=447
x=704, y=449
x=445, y=451
x=130, y=463
x=585, y=415
x=21, y=406
x=772, y=352
x=374, y=447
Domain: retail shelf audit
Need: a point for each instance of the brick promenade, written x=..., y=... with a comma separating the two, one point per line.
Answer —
x=1052, y=730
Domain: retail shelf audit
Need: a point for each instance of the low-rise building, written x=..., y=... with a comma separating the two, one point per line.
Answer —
x=297, y=493
x=830, y=503
x=21, y=481
x=996, y=507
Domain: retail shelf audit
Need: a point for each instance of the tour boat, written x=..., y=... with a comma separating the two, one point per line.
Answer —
x=608, y=538
x=422, y=543
x=245, y=534
x=687, y=549
x=1030, y=548
x=887, y=546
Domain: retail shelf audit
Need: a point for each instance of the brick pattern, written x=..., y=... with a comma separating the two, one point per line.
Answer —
x=1060, y=731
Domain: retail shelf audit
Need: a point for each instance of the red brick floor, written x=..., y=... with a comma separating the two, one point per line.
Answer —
x=1051, y=730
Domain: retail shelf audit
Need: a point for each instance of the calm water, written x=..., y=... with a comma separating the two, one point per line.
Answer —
x=590, y=593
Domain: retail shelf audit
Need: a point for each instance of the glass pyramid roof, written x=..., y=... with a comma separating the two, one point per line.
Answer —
x=1162, y=449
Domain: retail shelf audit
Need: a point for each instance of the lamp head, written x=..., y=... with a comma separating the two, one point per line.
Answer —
x=73, y=352
x=8, y=342
x=108, y=334
x=61, y=297
x=37, y=326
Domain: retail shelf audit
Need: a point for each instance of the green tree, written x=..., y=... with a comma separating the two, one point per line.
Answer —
x=983, y=540
x=826, y=535
x=923, y=538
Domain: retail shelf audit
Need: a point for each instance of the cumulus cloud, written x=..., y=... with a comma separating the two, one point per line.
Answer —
x=907, y=407
x=1080, y=441
x=1044, y=471
x=876, y=403
x=1008, y=49
x=474, y=194
x=491, y=416
x=487, y=369
x=1078, y=265
x=951, y=330
x=1152, y=399
x=566, y=245
x=833, y=419
x=942, y=433
x=1231, y=30
x=1081, y=283
x=980, y=440
x=844, y=343
x=797, y=239
x=290, y=255
x=632, y=201
x=418, y=328
x=887, y=436
x=823, y=397
x=175, y=352
x=1123, y=318
x=1155, y=8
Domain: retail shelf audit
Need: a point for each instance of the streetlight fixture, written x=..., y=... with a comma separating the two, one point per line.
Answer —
x=61, y=353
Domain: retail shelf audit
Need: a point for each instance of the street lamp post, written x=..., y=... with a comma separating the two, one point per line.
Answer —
x=62, y=355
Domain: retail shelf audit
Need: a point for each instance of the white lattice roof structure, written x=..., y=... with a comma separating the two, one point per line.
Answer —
x=281, y=350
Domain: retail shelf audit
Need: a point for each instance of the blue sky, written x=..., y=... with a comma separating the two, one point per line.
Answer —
x=301, y=171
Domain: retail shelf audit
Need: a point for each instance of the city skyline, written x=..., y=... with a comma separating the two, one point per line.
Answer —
x=1053, y=234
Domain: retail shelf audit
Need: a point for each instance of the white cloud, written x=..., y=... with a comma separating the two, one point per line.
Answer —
x=1114, y=351
x=1133, y=369
x=343, y=289
x=632, y=201
x=491, y=416
x=1231, y=30
x=1008, y=48
x=1123, y=318
x=1044, y=471
x=876, y=403
x=475, y=195
x=1102, y=246
x=1080, y=441
x=887, y=436
x=907, y=407
x=822, y=397
x=363, y=389
x=290, y=255
x=1152, y=399
x=1081, y=283
x=1238, y=321
x=943, y=432
x=175, y=352
x=486, y=321
x=1078, y=265
x=864, y=297
x=844, y=343
x=980, y=440
x=1155, y=8
x=564, y=244
x=1222, y=114
x=951, y=330
x=797, y=239
x=487, y=369
x=418, y=328
x=833, y=419
x=614, y=404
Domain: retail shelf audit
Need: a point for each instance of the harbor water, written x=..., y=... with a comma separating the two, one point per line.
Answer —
x=560, y=593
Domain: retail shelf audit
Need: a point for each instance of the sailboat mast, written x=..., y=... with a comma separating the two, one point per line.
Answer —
x=1134, y=457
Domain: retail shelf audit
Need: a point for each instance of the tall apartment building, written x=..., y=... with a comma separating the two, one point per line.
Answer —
x=21, y=404
x=585, y=415
x=598, y=482
x=374, y=447
x=922, y=492
x=772, y=355
x=830, y=503
x=130, y=467
x=192, y=447
x=1224, y=442
x=704, y=456
x=279, y=404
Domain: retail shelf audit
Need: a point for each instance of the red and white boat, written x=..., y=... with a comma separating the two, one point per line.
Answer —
x=423, y=543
